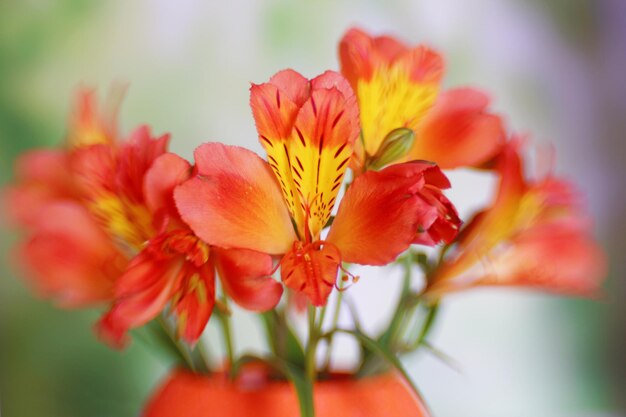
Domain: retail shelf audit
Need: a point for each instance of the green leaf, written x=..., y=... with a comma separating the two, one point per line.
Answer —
x=443, y=357
x=428, y=324
x=382, y=351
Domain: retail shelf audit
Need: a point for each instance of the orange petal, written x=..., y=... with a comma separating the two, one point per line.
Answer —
x=459, y=131
x=554, y=257
x=399, y=95
x=90, y=125
x=94, y=170
x=424, y=65
x=360, y=54
x=497, y=223
x=312, y=270
x=378, y=218
x=325, y=129
x=292, y=84
x=383, y=212
x=275, y=111
x=41, y=176
x=68, y=258
x=559, y=257
x=167, y=171
x=235, y=202
x=196, y=303
x=141, y=293
x=355, y=56
x=135, y=159
x=246, y=278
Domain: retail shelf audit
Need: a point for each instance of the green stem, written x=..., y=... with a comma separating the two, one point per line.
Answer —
x=182, y=349
x=205, y=355
x=224, y=318
x=426, y=327
x=311, y=346
x=334, y=322
x=389, y=337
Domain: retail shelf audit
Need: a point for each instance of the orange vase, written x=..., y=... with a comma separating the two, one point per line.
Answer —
x=253, y=394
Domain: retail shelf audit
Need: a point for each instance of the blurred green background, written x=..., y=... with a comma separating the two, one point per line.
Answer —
x=556, y=68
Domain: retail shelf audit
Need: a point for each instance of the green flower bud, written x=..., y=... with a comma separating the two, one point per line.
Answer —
x=396, y=144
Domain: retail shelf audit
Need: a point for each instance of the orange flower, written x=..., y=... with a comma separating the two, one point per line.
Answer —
x=102, y=226
x=534, y=235
x=280, y=207
x=66, y=255
x=176, y=267
x=399, y=87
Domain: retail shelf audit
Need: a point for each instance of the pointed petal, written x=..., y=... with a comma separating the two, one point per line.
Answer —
x=355, y=49
x=360, y=54
x=376, y=220
x=135, y=159
x=459, y=131
x=311, y=270
x=554, y=257
x=90, y=125
x=496, y=223
x=274, y=114
x=196, y=303
x=141, y=294
x=324, y=133
x=246, y=277
x=234, y=201
x=383, y=212
x=558, y=257
x=292, y=84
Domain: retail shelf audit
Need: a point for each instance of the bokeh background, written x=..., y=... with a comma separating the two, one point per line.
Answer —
x=554, y=67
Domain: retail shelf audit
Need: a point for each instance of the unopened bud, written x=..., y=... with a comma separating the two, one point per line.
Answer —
x=396, y=144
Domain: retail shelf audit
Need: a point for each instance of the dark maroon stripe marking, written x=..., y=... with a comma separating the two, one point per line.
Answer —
x=341, y=148
x=345, y=161
x=300, y=135
x=337, y=119
x=314, y=106
x=299, y=163
x=266, y=140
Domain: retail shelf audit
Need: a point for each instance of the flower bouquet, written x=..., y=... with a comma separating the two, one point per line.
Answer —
x=353, y=175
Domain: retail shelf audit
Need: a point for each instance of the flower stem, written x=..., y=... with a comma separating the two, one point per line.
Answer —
x=180, y=346
x=311, y=346
x=334, y=322
x=224, y=318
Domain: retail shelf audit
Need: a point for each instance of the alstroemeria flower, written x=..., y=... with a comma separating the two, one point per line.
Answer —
x=308, y=128
x=65, y=254
x=399, y=87
x=177, y=268
x=533, y=235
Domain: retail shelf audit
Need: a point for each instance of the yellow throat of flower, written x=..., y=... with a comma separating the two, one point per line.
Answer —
x=390, y=100
x=130, y=224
